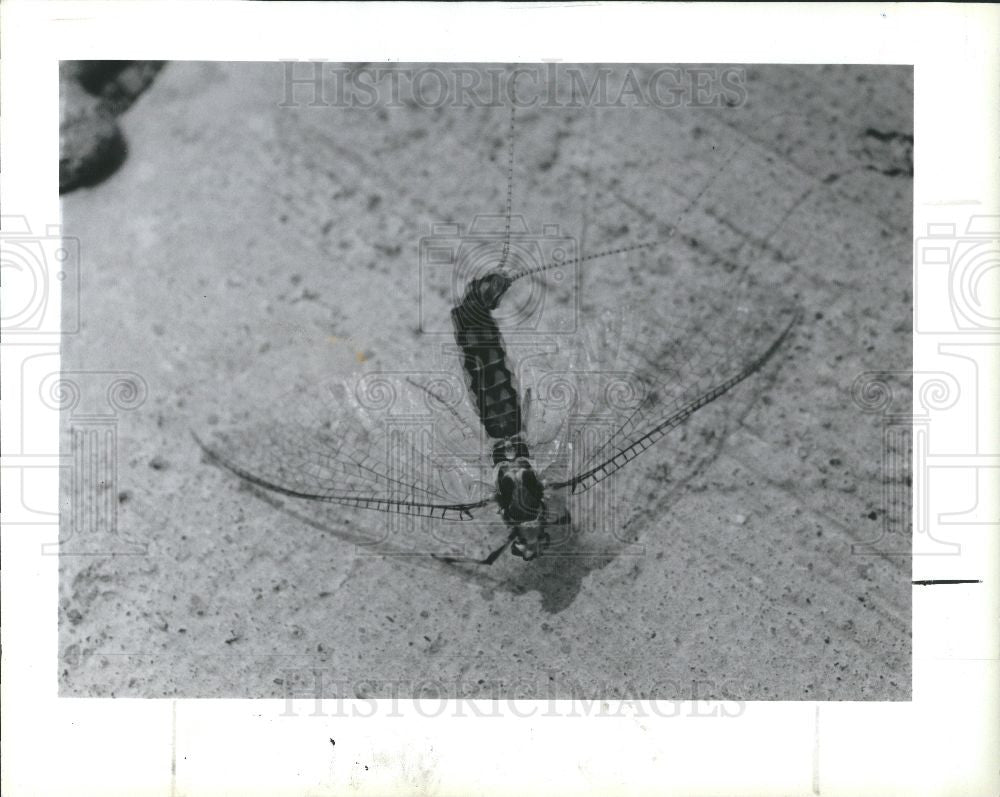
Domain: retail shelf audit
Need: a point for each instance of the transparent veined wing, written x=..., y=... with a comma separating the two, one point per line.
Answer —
x=666, y=406
x=397, y=442
x=638, y=370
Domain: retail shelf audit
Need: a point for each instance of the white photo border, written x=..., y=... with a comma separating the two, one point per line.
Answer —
x=943, y=741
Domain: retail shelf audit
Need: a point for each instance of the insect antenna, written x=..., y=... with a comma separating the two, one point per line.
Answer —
x=510, y=191
x=671, y=230
x=573, y=261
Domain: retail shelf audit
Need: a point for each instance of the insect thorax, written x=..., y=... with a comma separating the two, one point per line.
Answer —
x=520, y=494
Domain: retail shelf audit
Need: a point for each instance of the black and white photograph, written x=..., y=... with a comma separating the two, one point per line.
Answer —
x=494, y=381
x=499, y=398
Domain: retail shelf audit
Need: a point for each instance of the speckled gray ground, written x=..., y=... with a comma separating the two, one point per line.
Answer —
x=244, y=246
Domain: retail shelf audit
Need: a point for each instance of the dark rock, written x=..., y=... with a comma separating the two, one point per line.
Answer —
x=91, y=95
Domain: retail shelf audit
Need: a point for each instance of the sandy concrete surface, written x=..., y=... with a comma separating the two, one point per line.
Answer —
x=245, y=247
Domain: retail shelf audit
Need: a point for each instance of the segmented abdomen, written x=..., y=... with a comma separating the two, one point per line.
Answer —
x=490, y=380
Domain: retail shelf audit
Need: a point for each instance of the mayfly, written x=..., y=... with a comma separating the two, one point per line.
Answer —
x=343, y=456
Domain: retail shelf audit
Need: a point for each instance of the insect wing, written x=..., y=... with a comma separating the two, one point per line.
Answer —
x=575, y=381
x=652, y=369
x=375, y=441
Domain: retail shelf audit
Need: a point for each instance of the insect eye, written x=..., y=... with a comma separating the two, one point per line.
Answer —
x=491, y=288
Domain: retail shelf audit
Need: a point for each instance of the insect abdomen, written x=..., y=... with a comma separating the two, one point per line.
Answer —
x=484, y=362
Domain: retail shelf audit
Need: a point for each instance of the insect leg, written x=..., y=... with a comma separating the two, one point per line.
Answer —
x=494, y=555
